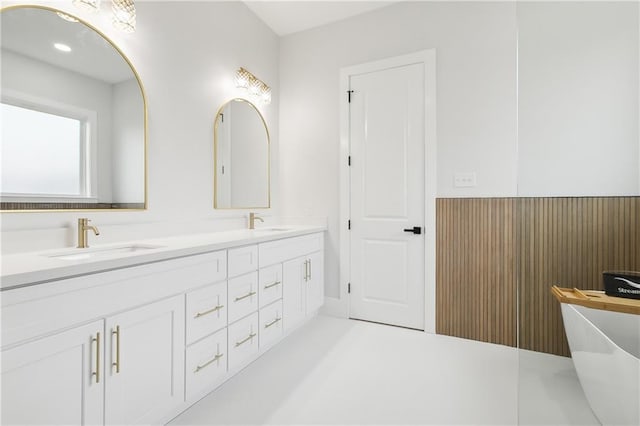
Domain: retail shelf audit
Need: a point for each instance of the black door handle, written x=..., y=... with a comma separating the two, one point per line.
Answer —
x=416, y=230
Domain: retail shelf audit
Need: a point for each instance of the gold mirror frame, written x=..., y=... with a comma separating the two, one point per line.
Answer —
x=215, y=157
x=144, y=106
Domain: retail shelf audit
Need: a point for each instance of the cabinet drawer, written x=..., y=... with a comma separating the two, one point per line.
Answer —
x=242, y=260
x=243, y=296
x=206, y=364
x=269, y=284
x=206, y=311
x=270, y=325
x=243, y=342
x=289, y=248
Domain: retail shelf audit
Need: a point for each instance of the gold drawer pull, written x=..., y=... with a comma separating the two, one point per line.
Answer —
x=249, y=337
x=272, y=285
x=245, y=296
x=272, y=322
x=117, y=334
x=206, y=364
x=97, y=372
x=210, y=311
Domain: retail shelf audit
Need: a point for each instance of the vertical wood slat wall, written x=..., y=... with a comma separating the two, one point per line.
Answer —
x=476, y=269
x=569, y=242
x=490, y=249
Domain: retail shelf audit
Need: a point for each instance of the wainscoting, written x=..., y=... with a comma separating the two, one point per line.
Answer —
x=492, y=250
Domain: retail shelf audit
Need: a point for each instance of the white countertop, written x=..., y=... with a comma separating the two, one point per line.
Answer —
x=23, y=269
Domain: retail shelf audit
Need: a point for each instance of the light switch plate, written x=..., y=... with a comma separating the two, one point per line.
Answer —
x=464, y=180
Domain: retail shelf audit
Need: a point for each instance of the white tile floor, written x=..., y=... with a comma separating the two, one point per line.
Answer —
x=335, y=371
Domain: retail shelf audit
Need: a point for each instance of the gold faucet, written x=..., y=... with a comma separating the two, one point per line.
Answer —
x=252, y=220
x=83, y=227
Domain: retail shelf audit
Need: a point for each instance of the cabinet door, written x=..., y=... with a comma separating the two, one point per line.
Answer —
x=315, y=282
x=145, y=363
x=294, y=295
x=53, y=380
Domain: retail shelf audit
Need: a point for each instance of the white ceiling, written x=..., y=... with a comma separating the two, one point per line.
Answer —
x=32, y=32
x=287, y=17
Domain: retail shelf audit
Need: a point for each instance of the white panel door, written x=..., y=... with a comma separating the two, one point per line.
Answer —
x=145, y=363
x=387, y=196
x=53, y=380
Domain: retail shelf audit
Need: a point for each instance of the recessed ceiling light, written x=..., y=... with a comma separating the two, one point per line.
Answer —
x=62, y=47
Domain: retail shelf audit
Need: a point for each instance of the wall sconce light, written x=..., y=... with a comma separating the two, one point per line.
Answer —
x=254, y=87
x=124, y=12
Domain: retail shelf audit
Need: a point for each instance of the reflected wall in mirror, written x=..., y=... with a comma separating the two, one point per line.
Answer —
x=241, y=151
x=73, y=114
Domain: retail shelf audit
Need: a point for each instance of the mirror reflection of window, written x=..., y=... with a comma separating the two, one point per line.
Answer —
x=43, y=154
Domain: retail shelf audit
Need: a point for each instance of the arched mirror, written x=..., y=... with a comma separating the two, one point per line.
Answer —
x=241, y=151
x=73, y=114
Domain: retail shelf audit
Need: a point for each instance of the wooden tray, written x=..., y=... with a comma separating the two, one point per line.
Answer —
x=596, y=299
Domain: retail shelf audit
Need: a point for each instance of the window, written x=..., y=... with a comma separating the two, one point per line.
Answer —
x=44, y=154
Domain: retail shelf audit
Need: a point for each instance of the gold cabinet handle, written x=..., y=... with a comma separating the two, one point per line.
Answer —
x=206, y=364
x=304, y=276
x=272, y=322
x=275, y=283
x=210, y=311
x=251, y=293
x=249, y=337
x=116, y=364
x=97, y=372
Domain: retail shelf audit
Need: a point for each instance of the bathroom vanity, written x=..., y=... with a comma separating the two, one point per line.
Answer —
x=136, y=333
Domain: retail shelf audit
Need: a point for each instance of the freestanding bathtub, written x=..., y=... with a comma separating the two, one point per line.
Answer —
x=605, y=347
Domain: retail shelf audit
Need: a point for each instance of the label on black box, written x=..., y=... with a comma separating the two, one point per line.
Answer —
x=622, y=284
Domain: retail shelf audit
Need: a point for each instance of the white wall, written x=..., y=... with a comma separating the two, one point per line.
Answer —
x=578, y=99
x=476, y=101
x=186, y=54
x=23, y=75
x=127, y=152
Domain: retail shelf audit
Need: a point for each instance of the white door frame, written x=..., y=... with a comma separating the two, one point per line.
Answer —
x=428, y=58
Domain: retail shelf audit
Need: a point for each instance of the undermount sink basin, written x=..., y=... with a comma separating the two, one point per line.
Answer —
x=275, y=229
x=96, y=253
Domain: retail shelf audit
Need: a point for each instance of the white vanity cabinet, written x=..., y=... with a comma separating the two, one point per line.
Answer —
x=127, y=368
x=302, y=262
x=144, y=362
x=141, y=343
x=58, y=379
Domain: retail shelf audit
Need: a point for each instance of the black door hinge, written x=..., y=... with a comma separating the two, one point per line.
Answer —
x=349, y=223
x=349, y=92
x=349, y=288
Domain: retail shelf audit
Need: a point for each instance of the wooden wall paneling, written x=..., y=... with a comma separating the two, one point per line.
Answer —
x=475, y=269
x=569, y=242
x=488, y=248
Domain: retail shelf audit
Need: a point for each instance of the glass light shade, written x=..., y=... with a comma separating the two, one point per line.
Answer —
x=87, y=5
x=255, y=87
x=242, y=78
x=266, y=95
x=124, y=15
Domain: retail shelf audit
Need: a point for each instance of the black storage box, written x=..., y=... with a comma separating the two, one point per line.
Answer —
x=622, y=284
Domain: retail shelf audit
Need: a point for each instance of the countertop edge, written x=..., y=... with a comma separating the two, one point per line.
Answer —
x=174, y=247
